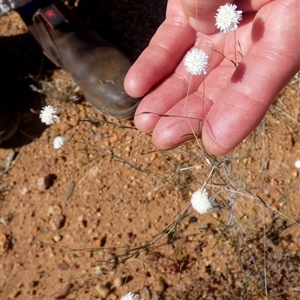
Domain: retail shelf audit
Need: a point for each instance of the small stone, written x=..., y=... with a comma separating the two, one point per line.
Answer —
x=128, y=166
x=102, y=290
x=6, y=219
x=160, y=285
x=112, y=297
x=33, y=283
x=24, y=191
x=98, y=137
x=54, y=210
x=62, y=292
x=153, y=156
x=45, y=182
x=80, y=218
x=96, y=243
x=46, y=229
x=57, y=238
x=63, y=266
x=30, y=240
x=45, y=169
x=145, y=293
x=41, y=183
x=88, y=254
x=57, y=222
x=118, y=282
x=4, y=243
x=82, y=158
x=14, y=294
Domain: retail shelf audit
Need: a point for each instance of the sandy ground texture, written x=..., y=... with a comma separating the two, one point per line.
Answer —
x=109, y=214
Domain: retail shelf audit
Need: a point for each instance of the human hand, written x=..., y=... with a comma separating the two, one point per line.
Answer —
x=230, y=101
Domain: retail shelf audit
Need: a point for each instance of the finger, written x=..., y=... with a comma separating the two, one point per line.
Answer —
x=174, y=127
x=251, y=5
x=178, y=86
x=269, y=64
x=201, y=13
x=159, y=101
x=163, y=54
x=172, y=131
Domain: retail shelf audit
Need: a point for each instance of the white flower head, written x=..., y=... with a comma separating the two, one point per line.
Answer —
x=196, y=61
x=58, y=142
x=228, y=18
x=48, y=114
x=200, y=201
x=130, y=296
x=297, y=164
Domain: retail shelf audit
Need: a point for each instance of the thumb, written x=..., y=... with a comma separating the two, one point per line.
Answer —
x=201, y=14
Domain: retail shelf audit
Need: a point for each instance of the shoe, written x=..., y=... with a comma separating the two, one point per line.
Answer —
x=9, y=119
x=94, y=64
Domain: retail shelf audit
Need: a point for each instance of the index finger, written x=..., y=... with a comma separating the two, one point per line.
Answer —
x=166, y=49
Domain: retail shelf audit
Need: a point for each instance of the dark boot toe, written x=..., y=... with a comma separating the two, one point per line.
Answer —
x=95, y=65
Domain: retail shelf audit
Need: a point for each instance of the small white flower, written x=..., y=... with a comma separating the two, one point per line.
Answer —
x=48, y=114
x=297, y=164
x=196, y=61
x=58, y=142
x=130, y=296
x=228, y=18
x=200, y=201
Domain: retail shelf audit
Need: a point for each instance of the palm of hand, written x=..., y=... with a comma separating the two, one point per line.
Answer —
x=230, y=101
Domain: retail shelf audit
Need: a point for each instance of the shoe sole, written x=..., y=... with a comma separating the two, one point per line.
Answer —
x=124, y=114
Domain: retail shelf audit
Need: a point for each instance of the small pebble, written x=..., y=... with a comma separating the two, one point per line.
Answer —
x=98, y=270
x=145, y=293
x=44, y=182
x=45, y=169
x=160, y=285
x=54, y=210
x=82, y=158
x=33, y=283
x=118, y=282
x=4, y=243
x=46, y=229
x=80, y=218
x=57, y=222
x=153, y=156
x=112, y=297
x=63, y=266
x=24, y=191
x=6, y=219
x=294, y=174
x=102, y=290
x=30, y=240
x=128, y=166
x=57, y=238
